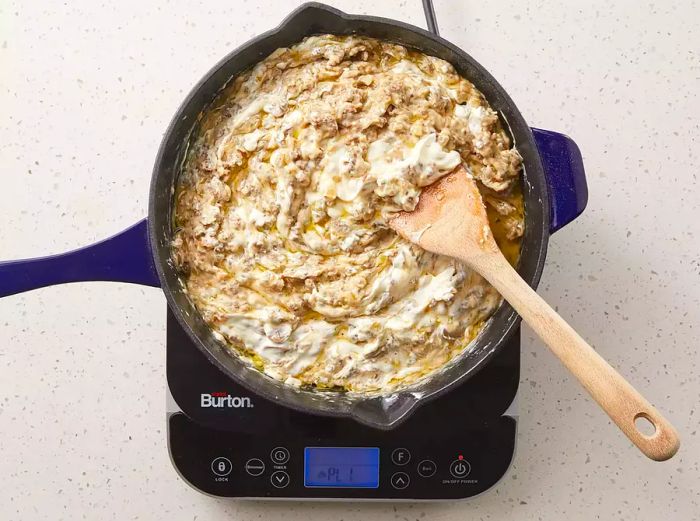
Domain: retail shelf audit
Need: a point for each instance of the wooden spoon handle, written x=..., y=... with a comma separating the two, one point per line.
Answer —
x=613, y=393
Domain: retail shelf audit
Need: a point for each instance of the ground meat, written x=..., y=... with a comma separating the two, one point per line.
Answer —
x=282, y=209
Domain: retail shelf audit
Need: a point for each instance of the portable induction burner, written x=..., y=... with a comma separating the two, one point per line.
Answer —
x=227, y=442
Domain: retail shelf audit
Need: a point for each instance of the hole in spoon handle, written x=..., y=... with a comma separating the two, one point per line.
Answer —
x=645, y=425
x=654, y=436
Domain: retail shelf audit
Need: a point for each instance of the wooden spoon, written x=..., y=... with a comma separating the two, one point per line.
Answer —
x=450, y=219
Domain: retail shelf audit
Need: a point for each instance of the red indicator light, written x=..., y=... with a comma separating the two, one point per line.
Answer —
x=460, y=457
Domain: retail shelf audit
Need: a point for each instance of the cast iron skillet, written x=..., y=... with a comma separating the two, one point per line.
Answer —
x=554, y=194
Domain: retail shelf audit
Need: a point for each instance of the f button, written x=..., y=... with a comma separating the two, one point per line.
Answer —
x=400, y=456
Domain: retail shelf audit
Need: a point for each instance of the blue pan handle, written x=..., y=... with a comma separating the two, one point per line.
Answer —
x=126, y=257
x=566, y=179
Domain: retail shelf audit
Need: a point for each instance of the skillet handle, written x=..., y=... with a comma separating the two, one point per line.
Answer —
x=126, y=257
x=566, y=178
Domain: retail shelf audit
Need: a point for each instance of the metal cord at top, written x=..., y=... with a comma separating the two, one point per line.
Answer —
x=430, y=17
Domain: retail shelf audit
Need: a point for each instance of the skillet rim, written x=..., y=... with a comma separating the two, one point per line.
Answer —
x=378, y=411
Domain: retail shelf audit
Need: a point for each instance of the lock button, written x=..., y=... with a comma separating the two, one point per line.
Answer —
x=221, y=466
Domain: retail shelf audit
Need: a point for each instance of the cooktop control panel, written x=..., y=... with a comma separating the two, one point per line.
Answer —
x=384, y=466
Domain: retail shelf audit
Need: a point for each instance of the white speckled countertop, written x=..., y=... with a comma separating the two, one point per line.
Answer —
x=86, y=92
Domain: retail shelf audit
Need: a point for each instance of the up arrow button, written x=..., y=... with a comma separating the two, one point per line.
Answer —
x=400, y=480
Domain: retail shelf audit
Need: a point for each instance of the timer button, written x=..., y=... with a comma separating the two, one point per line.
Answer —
x=279, y=479
x=400, y=480
x=427, y=468
x=221, y=466
x=400, y=456
x=279, y=455
x=254, y=466
x=460, y=468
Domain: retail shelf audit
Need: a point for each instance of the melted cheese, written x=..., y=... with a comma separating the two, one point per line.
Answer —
x=283, y=207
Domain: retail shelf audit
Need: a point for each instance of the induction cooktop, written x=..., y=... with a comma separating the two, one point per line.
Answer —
x=225, y=441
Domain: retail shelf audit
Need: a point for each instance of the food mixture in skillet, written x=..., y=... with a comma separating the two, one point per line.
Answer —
x=283, y=202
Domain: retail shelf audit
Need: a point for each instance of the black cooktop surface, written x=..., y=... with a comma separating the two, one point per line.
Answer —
x=228, y=442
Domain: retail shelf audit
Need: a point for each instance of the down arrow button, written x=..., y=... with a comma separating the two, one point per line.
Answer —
x=279, y=479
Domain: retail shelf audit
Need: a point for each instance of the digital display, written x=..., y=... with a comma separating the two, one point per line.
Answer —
x=341, y=467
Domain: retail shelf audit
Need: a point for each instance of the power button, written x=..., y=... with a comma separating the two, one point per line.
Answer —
x=460, y=468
